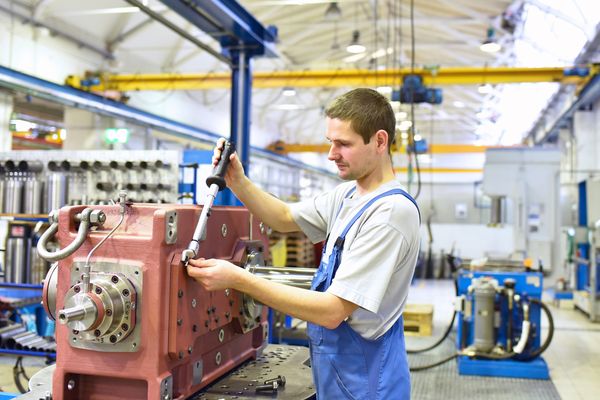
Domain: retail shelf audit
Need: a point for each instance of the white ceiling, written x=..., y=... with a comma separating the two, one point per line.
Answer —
x=447, y=33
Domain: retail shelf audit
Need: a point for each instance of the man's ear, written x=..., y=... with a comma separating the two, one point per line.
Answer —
x=381, y=140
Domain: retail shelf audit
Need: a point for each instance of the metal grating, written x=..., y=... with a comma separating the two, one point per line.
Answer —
x=444, y=381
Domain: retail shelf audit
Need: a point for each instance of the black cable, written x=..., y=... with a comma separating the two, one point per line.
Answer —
x=534, y=353
x=412, y=102
x=444, y=336
x=548, y=340
x=18, y=370
x=438, y=342
x=436, y=364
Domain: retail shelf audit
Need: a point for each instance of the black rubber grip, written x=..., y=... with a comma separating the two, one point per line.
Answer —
x=218, y=174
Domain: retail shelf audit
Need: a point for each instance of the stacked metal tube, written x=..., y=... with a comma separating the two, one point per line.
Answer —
x=17, y=337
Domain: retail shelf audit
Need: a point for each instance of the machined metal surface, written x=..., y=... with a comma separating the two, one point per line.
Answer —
x=166, y=388
x=17, y=254
x=171, y=227
x=118, y=287
x=33, y=196
x=13, y=197
x=56, y=191
x=276, y=360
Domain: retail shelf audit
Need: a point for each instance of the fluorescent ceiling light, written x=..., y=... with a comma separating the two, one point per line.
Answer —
x=354, y=58
x=401, y=115
x=288, y=107
x=355, y=47
x=382, y=52
x=384, y=89
x=459, y=104
x=98, y=11
x=289, y=91
x=490, y=47
x=485, y=89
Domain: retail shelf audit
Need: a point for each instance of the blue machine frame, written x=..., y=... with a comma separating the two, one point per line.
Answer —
x=528, y=286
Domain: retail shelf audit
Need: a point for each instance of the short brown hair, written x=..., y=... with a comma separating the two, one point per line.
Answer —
x=367, y=110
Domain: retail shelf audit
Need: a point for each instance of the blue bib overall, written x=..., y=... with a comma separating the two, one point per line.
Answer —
x=345, y=365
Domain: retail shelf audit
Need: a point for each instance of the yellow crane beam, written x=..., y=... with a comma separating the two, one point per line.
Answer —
x=441, y=170
x=285, y=148
x=332, y=78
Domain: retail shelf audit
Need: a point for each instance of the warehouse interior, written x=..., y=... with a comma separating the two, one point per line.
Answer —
x=109, y=114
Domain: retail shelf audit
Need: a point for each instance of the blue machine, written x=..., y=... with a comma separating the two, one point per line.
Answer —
x=499, y=325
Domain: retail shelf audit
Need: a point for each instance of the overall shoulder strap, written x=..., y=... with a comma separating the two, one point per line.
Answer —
x=339, y=243
x=347, y=195
x=342, y=237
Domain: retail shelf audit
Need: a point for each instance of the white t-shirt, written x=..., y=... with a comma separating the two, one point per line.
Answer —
x=379, y=254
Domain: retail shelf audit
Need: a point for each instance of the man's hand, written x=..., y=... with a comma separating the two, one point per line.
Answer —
x=215, y=274
x=235, y=170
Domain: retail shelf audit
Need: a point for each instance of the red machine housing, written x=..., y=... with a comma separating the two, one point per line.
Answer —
x=188, y=337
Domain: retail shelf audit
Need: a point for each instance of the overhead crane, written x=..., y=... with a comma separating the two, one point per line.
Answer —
x=578, y=75
x=285, y=148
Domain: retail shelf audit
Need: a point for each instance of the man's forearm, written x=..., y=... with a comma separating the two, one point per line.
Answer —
x=268, y=208
x=320, y=308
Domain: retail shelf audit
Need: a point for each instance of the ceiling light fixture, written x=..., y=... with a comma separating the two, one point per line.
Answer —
x=355, y=47
x=288, y=91
x=490, y=45
x=333, y=11
x=485, y=89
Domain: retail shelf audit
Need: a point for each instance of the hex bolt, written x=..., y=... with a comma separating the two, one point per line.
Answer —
x=180, y=293
x=98, y=290
x=194, y=303
x=97, y=332
x=125, y=327
x=180, y=355
x=125, y=292
x=114, y=279
x=109, y=312
x=206, y=323
x=194, y=328
x=76, y=289
x=190, y=349
x=228, y=315
x=179, y=322
x=75, y=332
x=113, y=339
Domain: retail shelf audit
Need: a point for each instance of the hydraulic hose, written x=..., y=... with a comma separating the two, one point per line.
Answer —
x=436, y=364
x=537, y=352
x=444, y=336
x=438, y=342
x=550, y=335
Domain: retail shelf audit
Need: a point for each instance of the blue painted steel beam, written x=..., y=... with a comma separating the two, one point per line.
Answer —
x=72, y=97
x=589, y=95
x=229, y=23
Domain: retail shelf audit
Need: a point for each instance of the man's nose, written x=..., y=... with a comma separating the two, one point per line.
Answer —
x=333, y=154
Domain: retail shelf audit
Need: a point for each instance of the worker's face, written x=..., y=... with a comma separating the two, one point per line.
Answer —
x=353, y=158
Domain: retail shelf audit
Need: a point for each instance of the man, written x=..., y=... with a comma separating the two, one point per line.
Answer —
x=354, y=310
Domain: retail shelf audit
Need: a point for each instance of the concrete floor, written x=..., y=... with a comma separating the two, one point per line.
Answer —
x=573, y=357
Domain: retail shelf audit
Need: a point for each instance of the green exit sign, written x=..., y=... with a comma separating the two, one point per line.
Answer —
x=116, y=135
